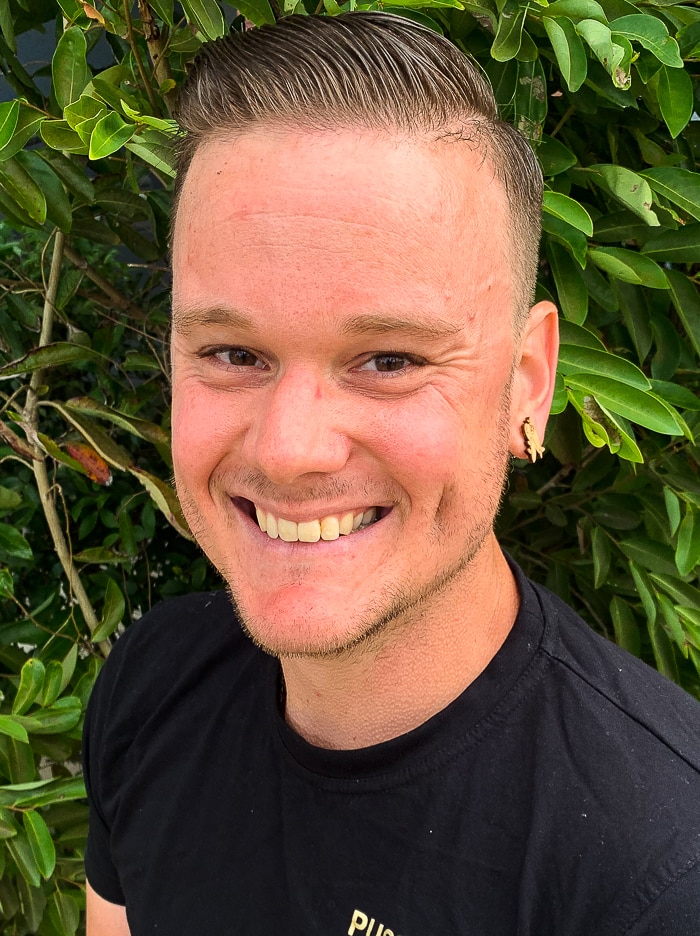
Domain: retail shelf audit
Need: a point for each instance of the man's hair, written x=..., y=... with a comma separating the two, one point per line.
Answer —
x=376, y=71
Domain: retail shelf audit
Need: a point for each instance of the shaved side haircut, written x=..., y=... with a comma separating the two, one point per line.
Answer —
x=375, y=71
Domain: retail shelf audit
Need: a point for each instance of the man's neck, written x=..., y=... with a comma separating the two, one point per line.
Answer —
x=390, y=685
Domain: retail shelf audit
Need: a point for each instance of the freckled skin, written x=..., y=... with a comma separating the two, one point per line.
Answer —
x=299, y=234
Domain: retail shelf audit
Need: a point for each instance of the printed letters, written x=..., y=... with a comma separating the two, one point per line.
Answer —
x=361, y=923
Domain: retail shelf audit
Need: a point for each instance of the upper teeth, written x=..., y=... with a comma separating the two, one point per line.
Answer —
x=311, y=531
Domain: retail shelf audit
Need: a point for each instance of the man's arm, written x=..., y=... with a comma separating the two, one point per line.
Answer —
x=105, y=918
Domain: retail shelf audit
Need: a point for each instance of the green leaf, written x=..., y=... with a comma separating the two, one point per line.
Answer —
x=674, y=91
x=9, y=113
x=571, y=290
x=109, y=135
x=531, y=99
x=628, y=266
x=568, y=49
x=58, y=209
x=680, y=592
x=23, y=857
x=260, y=11
x=673, y=625
x=681, y=246
x=625, y=625
x=575, y=359
x=52, y=355
x=7, y=585
x=42, y=792
x=64, y=913
x=688, y=548
x=509, y=32
x=625, y=445
x=568, y=210
x=577, y=10
x=554, y=157
x=165, y=10
x=673, y=509
x=138, y=427
x=72, y=175
x=629, y=188
x=600, y=547
x=571, y=334
x=12, y=728
x=651, y=33
x=7, y=25
x=63, y=715
x=686, y=300
x=40, y=842
x=20, y=186
x=59, y=135
x=677, y=396
x=68, y=668
x=53, y=681
x=31, y=683
x=645, y=589
x=69, y=66
x=566, y=235
x=206, y=16
x=636, y=405
x=663, y=652
x=680, y=186
x=8, y=826
x=112, y=612
x=155, y=148
x=610, y=55
x=654, y=556
x=12, y=543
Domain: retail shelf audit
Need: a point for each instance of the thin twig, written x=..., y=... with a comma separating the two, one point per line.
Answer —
x=563, y=120
x=139, y=64
x=41, y=477
x=117, y=299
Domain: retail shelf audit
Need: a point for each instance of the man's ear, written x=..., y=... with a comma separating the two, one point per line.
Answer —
x=534, y=375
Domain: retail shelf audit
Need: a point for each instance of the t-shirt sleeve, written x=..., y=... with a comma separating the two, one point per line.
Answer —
x=99, y=867
x=675, y=912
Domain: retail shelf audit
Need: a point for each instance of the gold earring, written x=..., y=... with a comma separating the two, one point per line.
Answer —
x=533, y=445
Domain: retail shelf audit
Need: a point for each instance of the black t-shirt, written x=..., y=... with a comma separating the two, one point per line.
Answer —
x=559, y=795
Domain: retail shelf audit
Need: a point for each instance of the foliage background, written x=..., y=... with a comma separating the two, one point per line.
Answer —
x=90, y=532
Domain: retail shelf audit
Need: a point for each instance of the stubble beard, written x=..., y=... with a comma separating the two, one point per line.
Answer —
x=395, y=608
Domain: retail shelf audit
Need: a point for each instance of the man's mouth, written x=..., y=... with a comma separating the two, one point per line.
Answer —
x=329, y=527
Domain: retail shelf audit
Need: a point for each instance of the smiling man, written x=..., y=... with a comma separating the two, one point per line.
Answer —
x=382, y=727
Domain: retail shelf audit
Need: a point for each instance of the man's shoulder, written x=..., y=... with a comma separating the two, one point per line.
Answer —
x=605, y=678
x=180, y=646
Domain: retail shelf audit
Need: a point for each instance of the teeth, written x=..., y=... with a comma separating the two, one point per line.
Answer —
x=311, y=531
x=330, y=528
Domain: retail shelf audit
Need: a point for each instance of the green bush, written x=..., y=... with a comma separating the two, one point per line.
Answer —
x=90, y=532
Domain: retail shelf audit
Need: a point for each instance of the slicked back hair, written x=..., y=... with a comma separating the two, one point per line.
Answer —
x=376, y=71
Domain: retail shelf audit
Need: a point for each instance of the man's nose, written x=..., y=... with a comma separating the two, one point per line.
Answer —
x=297, y=429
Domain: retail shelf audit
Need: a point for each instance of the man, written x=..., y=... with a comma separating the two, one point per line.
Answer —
x=415, y=740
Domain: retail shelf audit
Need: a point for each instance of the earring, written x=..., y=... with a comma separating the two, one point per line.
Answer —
x=533, y=445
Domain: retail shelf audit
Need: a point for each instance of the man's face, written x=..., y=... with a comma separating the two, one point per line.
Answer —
x=342, y=351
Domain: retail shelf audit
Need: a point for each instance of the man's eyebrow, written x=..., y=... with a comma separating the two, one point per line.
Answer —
x=429, y=328
x=187, y=318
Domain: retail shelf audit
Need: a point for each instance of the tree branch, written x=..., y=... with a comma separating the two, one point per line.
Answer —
x=117, y=299
x=148, y=87
x=46, y=496
x=156, y=43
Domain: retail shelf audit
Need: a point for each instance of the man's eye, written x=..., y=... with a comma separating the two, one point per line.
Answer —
x=238, y=357
x=389, y=363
